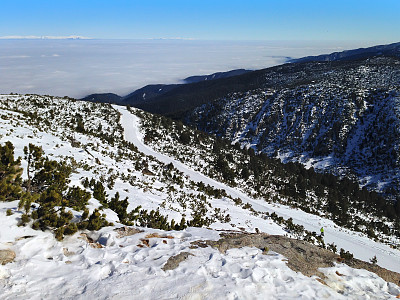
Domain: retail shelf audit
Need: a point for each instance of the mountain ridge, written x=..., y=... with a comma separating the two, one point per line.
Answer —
x=151, y=91
x=355, y=54
x=349, y=142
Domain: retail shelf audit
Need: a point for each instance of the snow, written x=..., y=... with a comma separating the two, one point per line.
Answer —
x=121, y=269
x=361, y=246
x=126, y=268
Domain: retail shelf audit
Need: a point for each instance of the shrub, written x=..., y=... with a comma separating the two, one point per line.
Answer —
x=374, y=260
x=346, y=254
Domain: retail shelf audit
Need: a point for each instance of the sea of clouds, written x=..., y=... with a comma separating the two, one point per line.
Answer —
x=77, y=68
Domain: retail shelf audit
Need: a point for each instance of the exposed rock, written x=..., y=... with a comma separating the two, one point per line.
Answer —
x=156, y=235
x=145, y=242
x=127, y=231
x=147, y=172
x=174, y=261
x=68, y=253
x=6, y=256
x=90, y=241
x=302, y=256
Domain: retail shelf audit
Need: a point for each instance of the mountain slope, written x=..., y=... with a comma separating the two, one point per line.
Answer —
x=151, y=91
x=103, y=98
x=113, y=146
x=198, y=78
x=342, y=117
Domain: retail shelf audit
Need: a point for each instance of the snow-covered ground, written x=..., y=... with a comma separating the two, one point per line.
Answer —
x=361, y=246
x=126, y=269
x=130, y=267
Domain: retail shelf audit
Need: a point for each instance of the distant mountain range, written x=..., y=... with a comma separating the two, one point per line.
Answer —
x=214, y=76
x=153, y=91
x=361, y=53
x=44, y=37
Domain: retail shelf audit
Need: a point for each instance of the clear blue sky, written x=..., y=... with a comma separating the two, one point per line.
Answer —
x=377, y=20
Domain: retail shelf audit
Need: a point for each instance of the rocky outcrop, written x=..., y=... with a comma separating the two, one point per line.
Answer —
x=302, y=256
x=7, y=256
x=127, y=231
x=174, y=261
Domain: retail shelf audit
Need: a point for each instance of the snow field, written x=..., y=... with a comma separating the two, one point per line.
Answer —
x=127, y=269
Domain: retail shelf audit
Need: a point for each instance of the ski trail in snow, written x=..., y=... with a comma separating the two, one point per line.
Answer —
x=362, y=247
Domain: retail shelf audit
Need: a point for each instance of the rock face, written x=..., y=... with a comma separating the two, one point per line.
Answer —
x=302, y=256
x=127, y=231
x=6, y=256
x=174, y=261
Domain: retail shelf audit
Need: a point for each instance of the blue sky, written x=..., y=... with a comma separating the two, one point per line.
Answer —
x=210, y=20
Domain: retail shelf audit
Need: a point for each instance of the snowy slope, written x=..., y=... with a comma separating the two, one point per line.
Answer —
x=340, y=117
x=131, y=266
x=73, y=269
x=362, y=247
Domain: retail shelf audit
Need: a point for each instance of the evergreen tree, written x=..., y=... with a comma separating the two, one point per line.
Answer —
x=10, y=173
x=34, y=157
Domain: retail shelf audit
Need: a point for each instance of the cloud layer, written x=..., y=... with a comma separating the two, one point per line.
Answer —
x=77, y=68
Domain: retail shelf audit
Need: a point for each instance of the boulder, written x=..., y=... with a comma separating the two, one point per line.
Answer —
x=6, y=256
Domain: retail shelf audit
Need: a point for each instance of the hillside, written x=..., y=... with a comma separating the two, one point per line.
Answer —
x=341, y=118
x=106, y=202
x=151, y=91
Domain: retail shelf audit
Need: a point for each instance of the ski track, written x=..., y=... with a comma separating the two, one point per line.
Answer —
x=361, y=246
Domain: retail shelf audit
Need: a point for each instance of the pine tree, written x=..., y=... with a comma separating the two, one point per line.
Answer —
x=10, y=173
x=34, y=157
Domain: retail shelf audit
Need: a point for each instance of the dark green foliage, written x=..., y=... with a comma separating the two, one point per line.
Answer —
x=222, y=166
x=77, y=198
x=47, y=186
x=34, y=157
x=119, y=206
x=99, y=192
x=85, y=214
x=25, y=219
x=153, y=219
x=80, y=127
x=245, y=173
x=10, y=173
x=199, y=221
x=59, y=233
x=346, y=254
x=332, y=247
x=97, y=221
x=185, y=137
x=53, y=175
x=374, y=260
